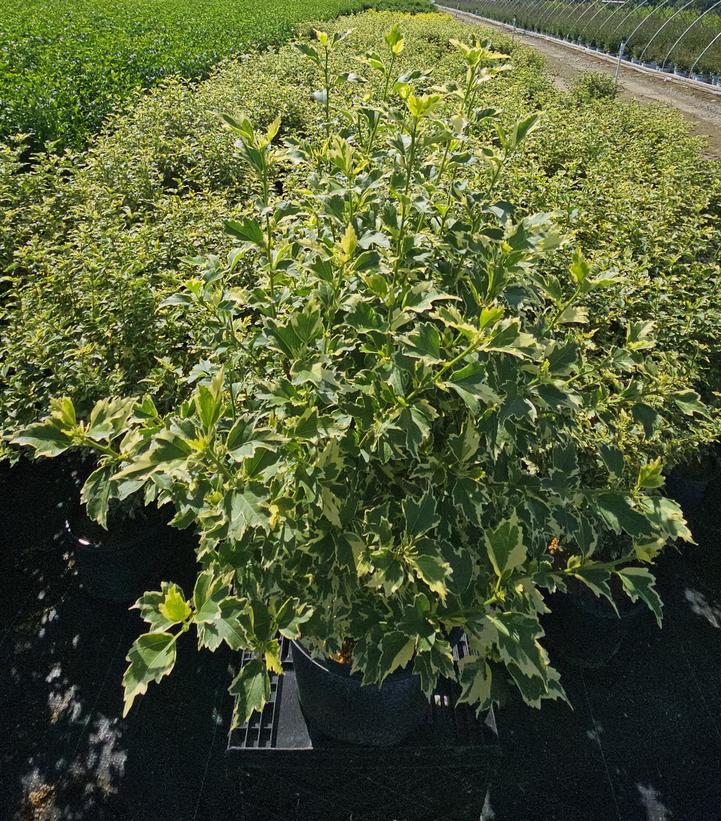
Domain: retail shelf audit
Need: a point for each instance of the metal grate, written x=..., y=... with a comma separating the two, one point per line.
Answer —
x=439, y=773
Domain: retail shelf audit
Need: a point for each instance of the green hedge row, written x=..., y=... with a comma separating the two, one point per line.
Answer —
x=65, y=66
x=93, y=242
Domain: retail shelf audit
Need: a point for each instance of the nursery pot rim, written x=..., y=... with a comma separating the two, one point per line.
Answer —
x=328, y=666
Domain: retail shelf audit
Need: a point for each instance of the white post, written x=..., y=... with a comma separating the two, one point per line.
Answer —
x=618, y=64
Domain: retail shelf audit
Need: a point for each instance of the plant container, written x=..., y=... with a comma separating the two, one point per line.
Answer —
x=584, y=629
x=38, y=496
x=687, y=484
x=706, y=523
x=282, y=768
x=120, y=564
x=337, y=705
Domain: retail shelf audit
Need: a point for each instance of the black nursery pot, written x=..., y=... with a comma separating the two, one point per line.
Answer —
x=336, y=704
x=584, y=629
x=121, y=564
x=689, y=484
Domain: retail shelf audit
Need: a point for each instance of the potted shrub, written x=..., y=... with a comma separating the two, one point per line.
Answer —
x=119, y=545
x=395, y=434
x=588, y=627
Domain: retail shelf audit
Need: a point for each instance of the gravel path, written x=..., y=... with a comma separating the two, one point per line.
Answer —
x=565, y=63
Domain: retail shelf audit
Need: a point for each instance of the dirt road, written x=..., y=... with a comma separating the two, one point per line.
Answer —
x=702, y=108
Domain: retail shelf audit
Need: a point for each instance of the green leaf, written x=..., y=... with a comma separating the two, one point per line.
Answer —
x=309, y=51
x=169, y=446
x=612, y=459
x=650, y=475
x=208, y=401
x=646, y=416
x=471, y=384
x=46, y=437
x=475, y=679
x=433, y=571
x=619, y=515
x=97, y=492
x=330, y=504
x=273, y=128
x=108, y=418
x=690, y=403
x=291, y=338
x=240, y=434
x=149, y=606
x=425, y=343
x=246, y=512
x=247, y=230
x=666, y=515
x=174, y=608
x=349, y=241
x=62, y=411
x=518, y=645
x=396, y=651
x=231, y=626
x=574, y=315
x=151, y=657
x=638, y=583
x=505, y=546
x=596, y=577
x=525, y=127
x=394, y=39
x=251, y=688
x=291, y=616
x=580, y=269
x=420, y=514
x=210, y=590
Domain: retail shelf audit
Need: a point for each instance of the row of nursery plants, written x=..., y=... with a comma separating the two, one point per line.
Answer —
x=408, y=352
x=65, y=66
x=92, y=242
x=681, y=38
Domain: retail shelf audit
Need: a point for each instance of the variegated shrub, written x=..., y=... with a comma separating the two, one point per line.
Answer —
x=403, y=425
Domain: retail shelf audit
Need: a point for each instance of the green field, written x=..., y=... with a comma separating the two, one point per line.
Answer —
x=65, y=66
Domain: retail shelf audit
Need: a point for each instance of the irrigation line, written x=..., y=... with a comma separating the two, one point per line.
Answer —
x=717, y=37
x=683, y=34
x=678, y=11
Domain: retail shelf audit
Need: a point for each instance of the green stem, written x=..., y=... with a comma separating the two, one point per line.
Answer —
x=326, y=76
x=567, y=304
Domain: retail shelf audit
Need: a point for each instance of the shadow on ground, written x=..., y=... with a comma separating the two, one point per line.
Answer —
x=643, y=742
